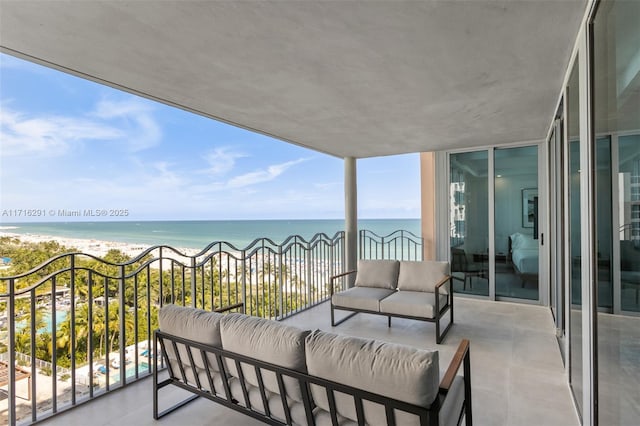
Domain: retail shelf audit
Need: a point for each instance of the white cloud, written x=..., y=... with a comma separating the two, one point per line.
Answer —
x=260, y=176
x=166, y=177
x=129, y=121
x=50, y=135
x=221, y=160
x=116, y=109
x=146, y=132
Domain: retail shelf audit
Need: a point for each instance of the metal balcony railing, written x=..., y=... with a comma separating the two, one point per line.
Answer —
x=400, y=245
x=78, y=326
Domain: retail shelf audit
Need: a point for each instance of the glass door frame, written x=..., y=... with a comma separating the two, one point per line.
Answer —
x=556, y=237
x=444, y=246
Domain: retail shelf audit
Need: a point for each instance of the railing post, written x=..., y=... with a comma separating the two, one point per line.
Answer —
x=160, y=289
x=244, y=282
x=332, y=253
x=193, y=284
x=72, y=311
x=54, y=348
x=123, y=337
x=90, y=348
x=12, y=353
x=343, y=259
x=308, y=272
x=30, y=358
x=280, y=285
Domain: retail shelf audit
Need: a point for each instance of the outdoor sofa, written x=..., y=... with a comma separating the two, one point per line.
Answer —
x=283, y=375
x=419, y=290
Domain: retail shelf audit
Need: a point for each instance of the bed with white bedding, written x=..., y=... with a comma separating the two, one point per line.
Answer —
x=524, y=254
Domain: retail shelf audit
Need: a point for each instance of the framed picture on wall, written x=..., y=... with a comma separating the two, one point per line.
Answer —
x=529, y=198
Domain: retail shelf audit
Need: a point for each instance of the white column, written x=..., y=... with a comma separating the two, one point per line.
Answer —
x=351, y=215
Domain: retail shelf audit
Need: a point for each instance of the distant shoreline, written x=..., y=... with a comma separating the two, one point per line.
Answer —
x=194, y=235
x=98, y=248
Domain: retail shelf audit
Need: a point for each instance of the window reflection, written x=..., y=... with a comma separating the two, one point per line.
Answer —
x=469, y=233
x=629, y=229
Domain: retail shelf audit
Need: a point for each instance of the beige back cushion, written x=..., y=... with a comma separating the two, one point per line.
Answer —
x=422, y=276
x=193, y=324
x=377, y=273
x=267, y=341
x=391, y=370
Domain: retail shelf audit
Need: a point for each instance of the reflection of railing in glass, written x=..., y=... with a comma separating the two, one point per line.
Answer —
x=627, y=232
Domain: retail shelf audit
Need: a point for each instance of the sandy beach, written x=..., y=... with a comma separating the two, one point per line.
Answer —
x=97, y=248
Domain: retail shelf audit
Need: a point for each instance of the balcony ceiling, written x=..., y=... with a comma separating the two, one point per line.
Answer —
x=358, y=78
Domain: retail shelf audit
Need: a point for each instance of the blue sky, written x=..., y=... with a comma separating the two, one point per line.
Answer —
x=67, y=143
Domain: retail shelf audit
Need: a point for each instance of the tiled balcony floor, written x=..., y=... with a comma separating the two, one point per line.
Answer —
x=517, y=373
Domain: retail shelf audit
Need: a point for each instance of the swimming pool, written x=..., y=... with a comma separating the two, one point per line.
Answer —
x=143, y=367
x=61, y=316
x=114, y=373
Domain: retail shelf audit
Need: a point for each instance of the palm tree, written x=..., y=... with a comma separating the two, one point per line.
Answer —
x=23, y=341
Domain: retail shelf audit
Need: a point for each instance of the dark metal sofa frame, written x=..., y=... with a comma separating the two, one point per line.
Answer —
x=440, y=311
x=428, y=416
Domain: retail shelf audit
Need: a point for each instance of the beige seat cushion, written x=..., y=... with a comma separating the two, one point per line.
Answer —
x=422, y=276
x=203, y=377
x=377, y=273
x=412, y=303
x=191, y=323
x=323, y=418
x=276, y=410
x=391, y=370
x=268, y=341
x=199, y=326
x=363, y=298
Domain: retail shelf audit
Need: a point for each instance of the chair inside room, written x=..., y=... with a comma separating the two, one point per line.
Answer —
x=464, y=270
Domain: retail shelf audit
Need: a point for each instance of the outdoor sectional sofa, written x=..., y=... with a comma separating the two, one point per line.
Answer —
x=282, y=375
x=419, y=290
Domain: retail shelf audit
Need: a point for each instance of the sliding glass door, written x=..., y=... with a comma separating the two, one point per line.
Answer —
x=616, y=120
x=495, y=227
x=517, y=233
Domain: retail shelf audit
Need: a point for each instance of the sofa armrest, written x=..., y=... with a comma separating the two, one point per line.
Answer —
x=455, y=391
x=333, y=278
x=462, y=354
x=442, y=282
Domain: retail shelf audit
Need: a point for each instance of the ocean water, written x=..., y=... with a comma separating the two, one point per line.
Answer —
x=198, y=234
